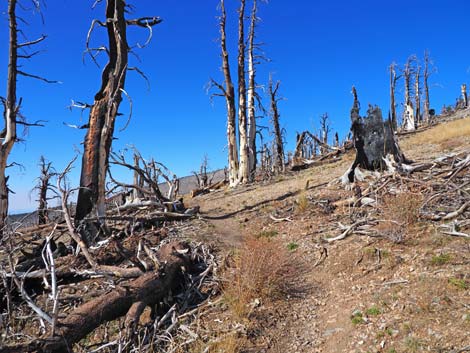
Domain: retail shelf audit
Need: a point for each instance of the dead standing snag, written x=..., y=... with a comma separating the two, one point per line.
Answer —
x=373, y=139
x=105, y=109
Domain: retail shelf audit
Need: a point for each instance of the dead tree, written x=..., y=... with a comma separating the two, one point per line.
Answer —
x=373, y=140
x=408, y=114
x=229, y=93
x=393, y=83
x=11, y=114
x=148, y=173
x=43, y=187
x=251, y=93
x=417, y=96
x=429, y=69
x=324, y=130
x=279, y=164
x=463, y=89
x=105, y=108
x=244, y=171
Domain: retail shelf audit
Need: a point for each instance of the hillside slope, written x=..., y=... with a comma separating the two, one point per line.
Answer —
x=397, y=284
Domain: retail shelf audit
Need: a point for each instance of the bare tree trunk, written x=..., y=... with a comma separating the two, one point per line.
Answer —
x=393, y=108
x=417, y=97
x=409, y=118
x=103, y=115
x=244, y=171
x=325, y=129
x=44, y=186
x=229, y=93
x=251, y=93
x=11, y=110
x=278, y=143
x=463, y=88
x=426, y=74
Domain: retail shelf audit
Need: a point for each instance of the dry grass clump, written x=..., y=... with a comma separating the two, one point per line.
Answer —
x=400, y=215
x=264, y=270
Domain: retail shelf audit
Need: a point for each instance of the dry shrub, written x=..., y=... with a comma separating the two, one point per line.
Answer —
x=401, y=215
x=263, y=269
x=302, y=203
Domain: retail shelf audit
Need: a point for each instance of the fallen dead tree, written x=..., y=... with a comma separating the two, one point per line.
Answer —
x=129, y=299
x=205, y=190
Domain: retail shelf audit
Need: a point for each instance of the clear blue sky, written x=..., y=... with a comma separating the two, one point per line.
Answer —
x=318, y=50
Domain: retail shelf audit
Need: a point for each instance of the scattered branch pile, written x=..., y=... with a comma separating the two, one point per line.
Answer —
x=142, y=279
x=437, y=191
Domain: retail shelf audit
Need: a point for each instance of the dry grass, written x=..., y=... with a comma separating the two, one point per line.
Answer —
x=448, y=135
x=264, y=269
x=302, y=203
x=401, y=215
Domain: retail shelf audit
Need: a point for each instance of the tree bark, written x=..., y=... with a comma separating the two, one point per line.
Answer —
x=244, y=171
x=409, y=117
x=44, y=186
x=426, y=74
x=417, y=98
x=373, y=138
x=103, y=115
x=229, y=93
x=251, y=93
x=393, y=108
x=279, y=164
x=11, y=109
x=463, y=88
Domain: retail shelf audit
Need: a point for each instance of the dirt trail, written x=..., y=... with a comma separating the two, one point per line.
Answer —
x=396, y=288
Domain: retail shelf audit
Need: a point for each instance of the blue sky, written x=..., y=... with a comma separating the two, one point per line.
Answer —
x=318, y=49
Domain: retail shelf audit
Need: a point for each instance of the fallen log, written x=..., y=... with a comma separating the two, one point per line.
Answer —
x=128, y=299
x=207, y=189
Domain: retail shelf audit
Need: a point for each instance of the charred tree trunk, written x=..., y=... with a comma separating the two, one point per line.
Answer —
x=427, y=72
x=244, y=171
x=8, y=135
x=251, y=93
x=229, y=93
x=373, y=140
x=417, y=98
x=103, y=115
x=393, y=108
x=279, y=164
x=43, y=187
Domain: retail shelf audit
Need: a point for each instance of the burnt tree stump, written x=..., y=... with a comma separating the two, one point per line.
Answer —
x=374, y=140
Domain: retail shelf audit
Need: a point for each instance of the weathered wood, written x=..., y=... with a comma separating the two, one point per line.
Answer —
x=251, y=92
x=103, y=115
x=127, y=299
x=8, y=135
x=279, y=164
x=373, y=140
x=244, y=168
x=229, y=94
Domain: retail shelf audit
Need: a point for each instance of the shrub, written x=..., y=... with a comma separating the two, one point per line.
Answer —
x=263, y=269
x=440, y=259
x=292, y=246
x=401, y=214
